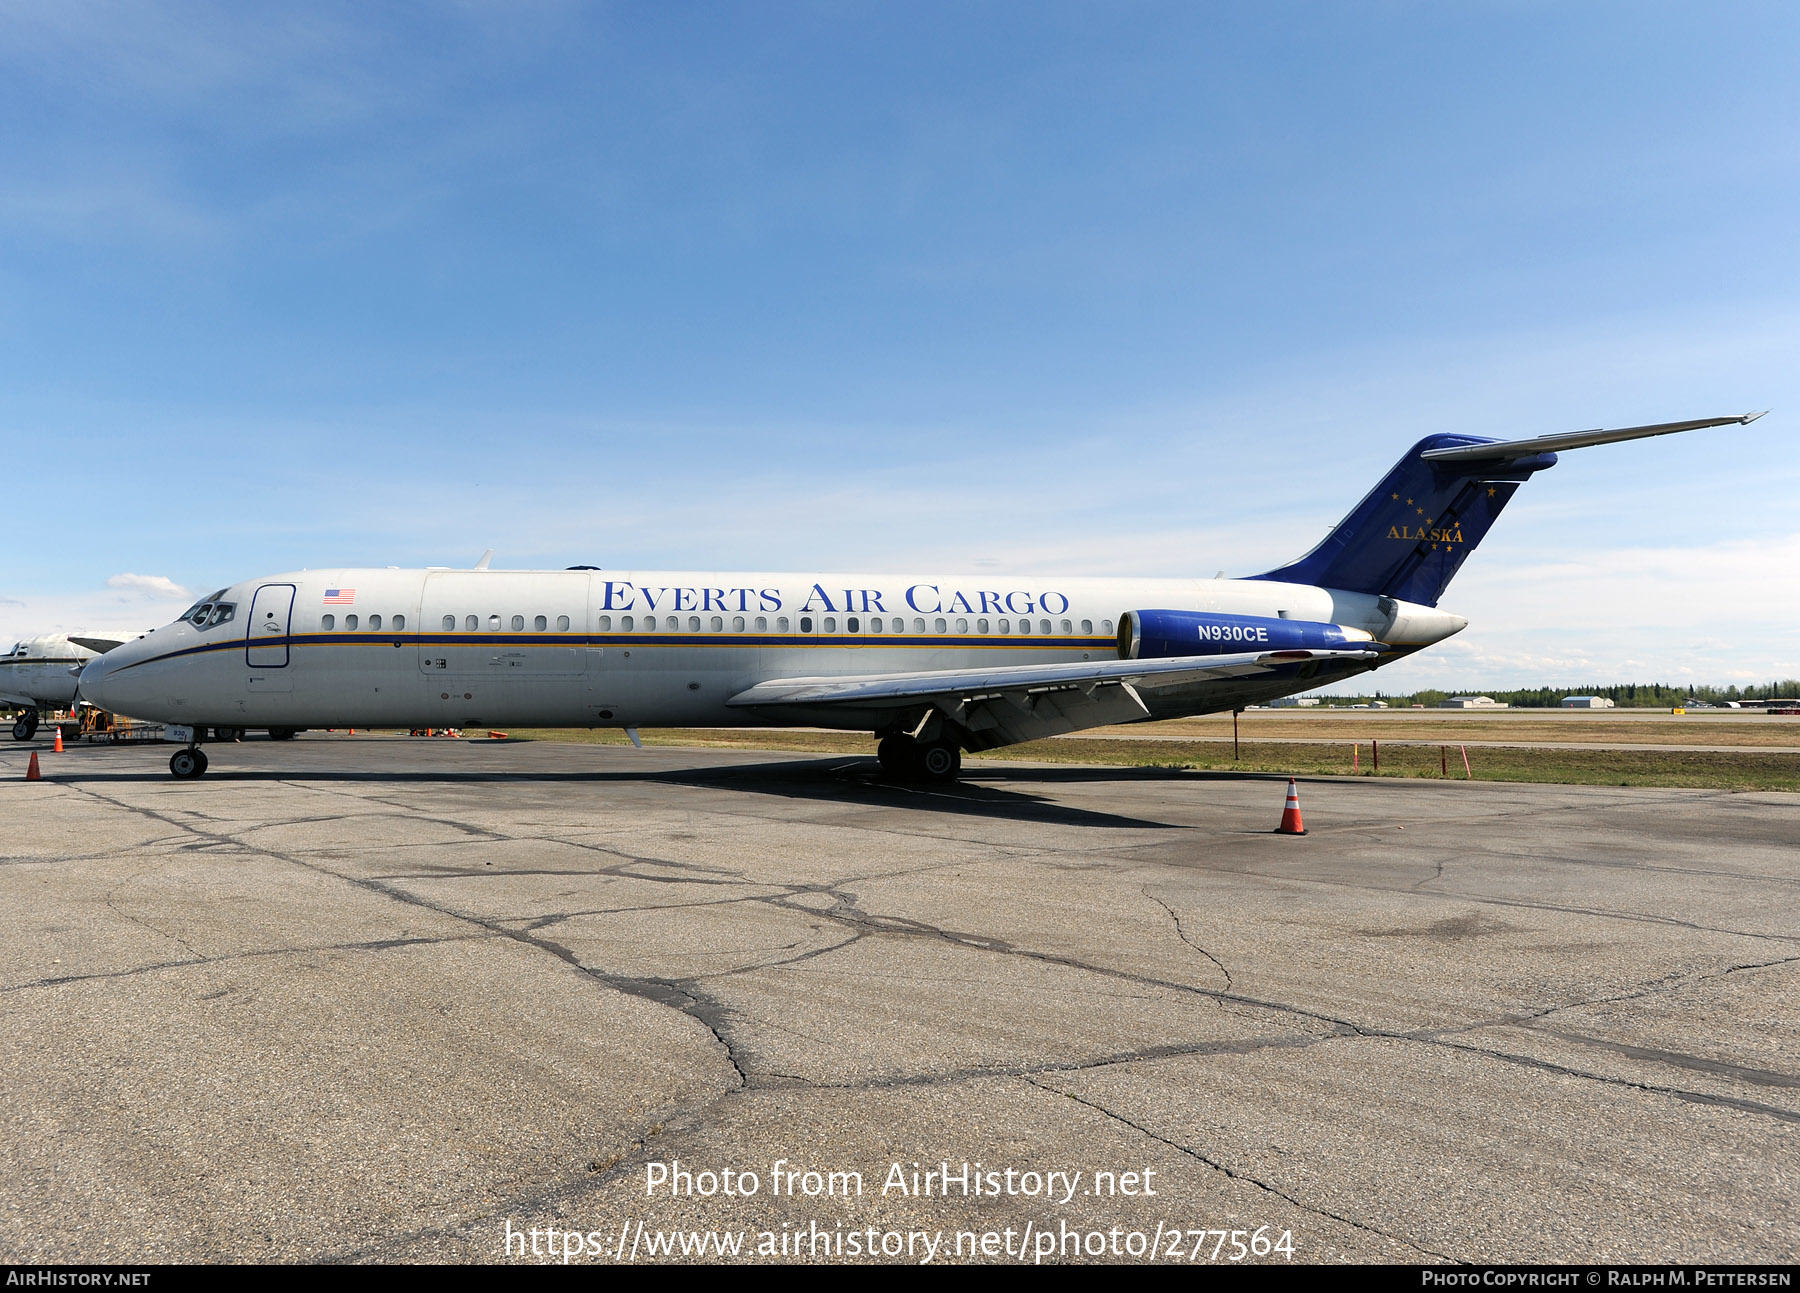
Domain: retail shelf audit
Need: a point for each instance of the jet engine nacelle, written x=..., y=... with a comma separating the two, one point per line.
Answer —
x=1158, y=635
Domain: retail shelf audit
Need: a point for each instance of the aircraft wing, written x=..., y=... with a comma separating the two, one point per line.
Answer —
x=1013, y=703
x=100, y=645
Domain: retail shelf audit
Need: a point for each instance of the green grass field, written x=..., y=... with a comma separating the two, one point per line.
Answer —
x=1746, y=769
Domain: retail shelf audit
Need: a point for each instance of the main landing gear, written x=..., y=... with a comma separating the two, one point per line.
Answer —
x=188, y=763
x=26, y=726
x=911, y=760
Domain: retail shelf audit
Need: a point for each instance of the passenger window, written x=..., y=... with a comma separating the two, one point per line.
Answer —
x=981, y=626
x=1106, y=626
x=875, y=625
x=850, y=624
x=1044, y=627
x=1068, y=628
x=937, y=624
x=806, y=624
x=693, y=624
x=328, y=622
x=718, y=624
x=399, y=623
x=449, y=623
x=1006, y=626
x=493, y=624
x=737, y=623
x=781, y=624
x=374, y=622
x=605, y=623
x=470, y=624
x=628, y=623
x=830, y=625
x=350, y=622
x=562, y=623
x=762, y=623
x=649, y=623
x=518, y=624
x=962, y=626
x=1087, y=626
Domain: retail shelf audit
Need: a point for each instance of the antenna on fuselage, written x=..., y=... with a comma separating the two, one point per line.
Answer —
x=485, y=558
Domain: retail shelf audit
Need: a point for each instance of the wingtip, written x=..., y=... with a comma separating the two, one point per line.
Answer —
x=1748, y=418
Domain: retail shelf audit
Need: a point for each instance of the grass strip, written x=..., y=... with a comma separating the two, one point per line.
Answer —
x=1734, y=770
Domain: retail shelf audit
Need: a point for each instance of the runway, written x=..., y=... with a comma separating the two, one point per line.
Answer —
x=380, y=999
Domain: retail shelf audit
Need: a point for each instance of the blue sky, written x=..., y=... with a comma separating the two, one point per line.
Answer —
x=1092, y=288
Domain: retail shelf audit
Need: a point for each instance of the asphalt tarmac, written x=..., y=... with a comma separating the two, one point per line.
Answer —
x=381, y=999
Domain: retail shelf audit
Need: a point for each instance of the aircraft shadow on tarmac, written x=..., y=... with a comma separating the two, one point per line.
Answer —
x=852, y=779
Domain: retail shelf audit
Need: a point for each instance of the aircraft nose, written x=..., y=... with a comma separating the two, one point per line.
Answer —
x=91, y=682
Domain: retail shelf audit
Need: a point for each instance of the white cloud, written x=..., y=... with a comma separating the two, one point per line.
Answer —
x=152, y=587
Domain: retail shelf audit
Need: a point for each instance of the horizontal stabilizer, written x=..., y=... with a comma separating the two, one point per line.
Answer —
x=1411, y=534
x=1510, y=450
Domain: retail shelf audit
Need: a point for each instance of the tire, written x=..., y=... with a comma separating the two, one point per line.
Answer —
x=187, y=763
x=940, y=761
x=24, y=729
x=282, y=733
x=898, y=755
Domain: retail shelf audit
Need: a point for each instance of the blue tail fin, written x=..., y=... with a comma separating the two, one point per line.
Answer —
x=1410, y=536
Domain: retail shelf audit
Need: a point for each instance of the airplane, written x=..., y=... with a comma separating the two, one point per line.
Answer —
x=931, y=665
x=39, y=674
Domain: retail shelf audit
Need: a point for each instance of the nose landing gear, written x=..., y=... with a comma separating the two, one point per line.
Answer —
x=188, y=763
x=26, y=726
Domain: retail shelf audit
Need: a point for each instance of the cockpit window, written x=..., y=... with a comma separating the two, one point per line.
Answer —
x=209, y=612
x=200, y=613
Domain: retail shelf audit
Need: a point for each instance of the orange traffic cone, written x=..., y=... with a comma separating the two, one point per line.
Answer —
x=31, y=771
x=59, y=748
x=1290, y=815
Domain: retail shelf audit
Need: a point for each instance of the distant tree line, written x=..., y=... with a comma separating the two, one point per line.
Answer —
x=1624, y=695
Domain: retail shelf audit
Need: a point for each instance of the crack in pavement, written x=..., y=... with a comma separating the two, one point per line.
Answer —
x=1182, y=935
x=1677, y=1093
x=669, y=993
x=1412, y=891
x=1245, y=1177
x=375, y=945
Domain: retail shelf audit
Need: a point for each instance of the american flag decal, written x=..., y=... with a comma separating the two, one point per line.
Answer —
x=340, y=597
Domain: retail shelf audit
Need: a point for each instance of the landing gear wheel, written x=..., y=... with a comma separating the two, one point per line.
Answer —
x=940, y=761
x=26, y=726
x=899, y=755
x=282, y=733
x=228, y=733
x=187, y=763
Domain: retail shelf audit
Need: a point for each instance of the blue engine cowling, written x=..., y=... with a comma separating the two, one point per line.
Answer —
x=1159, y=635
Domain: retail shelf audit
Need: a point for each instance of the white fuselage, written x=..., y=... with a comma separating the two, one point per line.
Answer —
x=580, y=648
